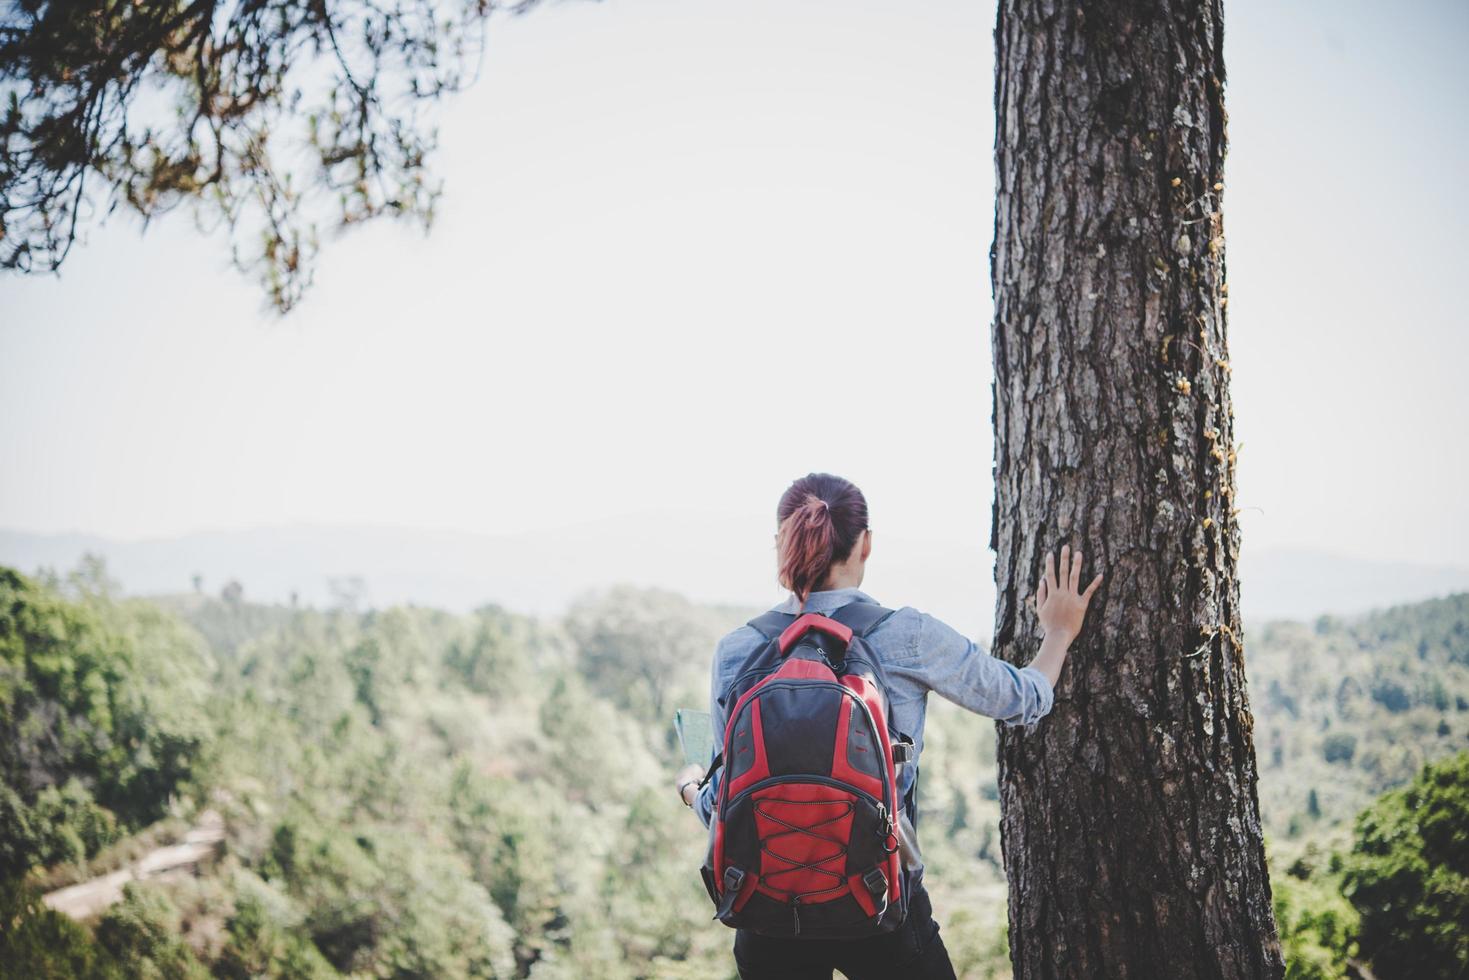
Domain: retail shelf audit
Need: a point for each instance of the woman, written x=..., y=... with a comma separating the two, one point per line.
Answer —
x=823, y=544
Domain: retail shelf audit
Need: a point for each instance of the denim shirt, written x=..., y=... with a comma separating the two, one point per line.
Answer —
x=919, y=654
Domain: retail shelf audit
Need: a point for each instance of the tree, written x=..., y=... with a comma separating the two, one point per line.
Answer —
x=1408, y=875
x=1339, y=747
x=1318, y=927
x=1131, y=828
x=640, y=647
x=272, y=116
x=102, y=719
x=40, y=942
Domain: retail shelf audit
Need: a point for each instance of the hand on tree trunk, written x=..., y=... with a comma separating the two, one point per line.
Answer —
x=1058, y=604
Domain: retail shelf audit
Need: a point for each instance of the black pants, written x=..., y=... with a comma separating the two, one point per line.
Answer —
x=913, y=951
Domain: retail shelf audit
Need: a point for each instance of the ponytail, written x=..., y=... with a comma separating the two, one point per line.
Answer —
x=805, y=546
x=820, y=518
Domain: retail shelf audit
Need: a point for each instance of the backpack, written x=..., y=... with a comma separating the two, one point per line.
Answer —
x=804, y=840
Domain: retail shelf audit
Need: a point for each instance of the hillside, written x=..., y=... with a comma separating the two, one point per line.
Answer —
x=1346, y=708
x=421, y=793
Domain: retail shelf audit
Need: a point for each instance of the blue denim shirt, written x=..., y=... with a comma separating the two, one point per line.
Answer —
x=919, y=654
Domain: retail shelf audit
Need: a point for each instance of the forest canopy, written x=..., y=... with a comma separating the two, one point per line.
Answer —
x=411, y=792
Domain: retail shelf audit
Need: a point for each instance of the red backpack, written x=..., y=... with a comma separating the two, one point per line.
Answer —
x=804, y=840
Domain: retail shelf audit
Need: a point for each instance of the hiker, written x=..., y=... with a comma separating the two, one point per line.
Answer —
x=823, y=543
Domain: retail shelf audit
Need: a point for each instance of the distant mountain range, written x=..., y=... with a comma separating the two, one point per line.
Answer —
x=706, y=559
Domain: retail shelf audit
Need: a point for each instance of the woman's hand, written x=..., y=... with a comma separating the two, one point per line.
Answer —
x=686, y=783
x=1058, y=605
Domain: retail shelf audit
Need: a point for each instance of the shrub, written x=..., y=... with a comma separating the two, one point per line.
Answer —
x=1408, y=875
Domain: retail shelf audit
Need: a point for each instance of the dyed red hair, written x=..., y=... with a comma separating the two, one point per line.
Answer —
x=820, y=517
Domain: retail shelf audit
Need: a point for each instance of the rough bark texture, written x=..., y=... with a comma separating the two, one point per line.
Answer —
x=1130, y=826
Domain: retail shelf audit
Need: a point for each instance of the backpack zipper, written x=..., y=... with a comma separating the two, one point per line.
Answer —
x=871, y=728
x=882, y=810
x=753, y=671
x=772, y=668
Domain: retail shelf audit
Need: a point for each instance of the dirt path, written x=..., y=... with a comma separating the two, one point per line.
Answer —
x=88, y=898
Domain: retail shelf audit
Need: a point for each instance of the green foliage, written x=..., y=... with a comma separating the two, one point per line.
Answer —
x=414, y=794
x=1408, y=875
x=1339, y=747
x=656, y=906
x=70, y=826
x=978, y=941
x=509, y=830
x=141, y=932
x=392, y=661
x=400, y=812
x=39, y=944
x=585, y=739
x=494, y=655
x=101, y=718
x=1391, y=694
x=1354, y=707
x=264, y=940
x=1318, y=926
x=640, y=645
x=1344, y=710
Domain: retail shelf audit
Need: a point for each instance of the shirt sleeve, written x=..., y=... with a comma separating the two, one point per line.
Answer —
x=956, y=668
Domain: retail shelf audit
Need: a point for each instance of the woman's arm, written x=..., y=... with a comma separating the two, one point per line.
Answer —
x=686, y=782
x=1052, y=656
x=702, y=800
x=956, y=668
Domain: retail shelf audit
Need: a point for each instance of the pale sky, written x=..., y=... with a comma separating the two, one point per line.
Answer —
x=691, y=249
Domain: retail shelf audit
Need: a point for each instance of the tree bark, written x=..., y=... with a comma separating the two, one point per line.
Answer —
x=1130, y=828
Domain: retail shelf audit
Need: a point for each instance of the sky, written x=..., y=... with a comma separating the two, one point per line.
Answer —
x=689, y=250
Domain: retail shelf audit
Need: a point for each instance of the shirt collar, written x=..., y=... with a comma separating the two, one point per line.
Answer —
x=825, y=601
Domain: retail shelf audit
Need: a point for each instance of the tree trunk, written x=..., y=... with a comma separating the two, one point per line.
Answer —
x=1130, y=828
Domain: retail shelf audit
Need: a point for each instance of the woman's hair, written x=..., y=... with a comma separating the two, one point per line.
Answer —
x=820, y=517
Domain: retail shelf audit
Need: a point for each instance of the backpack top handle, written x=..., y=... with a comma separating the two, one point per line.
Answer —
x=816, y=621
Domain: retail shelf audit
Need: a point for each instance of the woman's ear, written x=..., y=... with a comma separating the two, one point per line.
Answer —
x=866, y=543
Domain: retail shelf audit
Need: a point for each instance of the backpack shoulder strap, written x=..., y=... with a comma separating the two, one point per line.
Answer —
x=771, y=624
x=861, y=617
